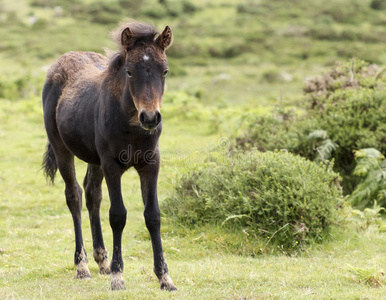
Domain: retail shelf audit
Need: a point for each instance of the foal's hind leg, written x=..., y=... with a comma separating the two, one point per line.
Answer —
x=73, y=193
x=93, y=190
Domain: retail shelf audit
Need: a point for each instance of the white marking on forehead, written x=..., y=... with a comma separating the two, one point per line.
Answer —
x=145, y=57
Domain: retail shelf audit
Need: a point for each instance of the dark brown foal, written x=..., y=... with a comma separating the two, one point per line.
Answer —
x=96, y=108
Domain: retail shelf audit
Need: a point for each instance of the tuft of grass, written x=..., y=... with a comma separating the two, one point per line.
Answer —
x=369, y=276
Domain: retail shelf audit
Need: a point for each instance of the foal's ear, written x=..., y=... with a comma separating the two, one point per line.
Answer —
x=126, y=37
x=165, y=39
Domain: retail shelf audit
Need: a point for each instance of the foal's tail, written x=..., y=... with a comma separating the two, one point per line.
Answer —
x=49, y=163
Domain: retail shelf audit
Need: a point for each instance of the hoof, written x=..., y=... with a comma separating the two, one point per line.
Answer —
x=117, y=282
x=83, y=275
x=100, y=256
x=82, y=271
x=104, y=268
x=167, y=283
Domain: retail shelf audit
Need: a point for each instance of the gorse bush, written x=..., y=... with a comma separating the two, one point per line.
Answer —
x=267, y=133
x=276, y=196
x=353, y=75
x=349, y=103
x=345, y=110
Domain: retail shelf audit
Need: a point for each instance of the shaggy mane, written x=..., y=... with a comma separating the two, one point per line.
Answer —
x=142, y=33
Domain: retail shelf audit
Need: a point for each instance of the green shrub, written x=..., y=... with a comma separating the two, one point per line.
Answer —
x=350, y=105
x=267, y=132
x=324, y=32
x=345, y=111
x=188, y=7
x=378, y=4
x=229, y=51
x=276, y=196
x=353, y=75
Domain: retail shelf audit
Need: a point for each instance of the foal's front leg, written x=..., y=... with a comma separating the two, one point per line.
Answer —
x=149, y=178
x=117, y=214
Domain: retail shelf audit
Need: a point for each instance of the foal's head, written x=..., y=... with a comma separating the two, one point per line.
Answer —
x=146, y=67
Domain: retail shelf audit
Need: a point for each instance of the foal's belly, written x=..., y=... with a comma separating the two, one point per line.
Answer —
x=75, y=123
x=81, y=150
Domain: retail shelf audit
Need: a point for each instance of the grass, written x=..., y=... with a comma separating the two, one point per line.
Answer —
x=235, y=60
x=37, y=242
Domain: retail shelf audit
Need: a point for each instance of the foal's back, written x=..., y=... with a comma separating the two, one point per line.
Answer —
x=73, y=68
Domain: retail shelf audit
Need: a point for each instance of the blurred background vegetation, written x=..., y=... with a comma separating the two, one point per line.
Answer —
x=225, y=51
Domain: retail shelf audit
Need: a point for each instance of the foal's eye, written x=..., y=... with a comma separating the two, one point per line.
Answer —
x=166, y=72
x=130, y=74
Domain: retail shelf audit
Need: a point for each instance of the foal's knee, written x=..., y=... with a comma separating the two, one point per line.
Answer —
x=118, y=219
x=152, y=220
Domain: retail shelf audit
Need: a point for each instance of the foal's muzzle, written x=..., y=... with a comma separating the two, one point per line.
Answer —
x=149, y=120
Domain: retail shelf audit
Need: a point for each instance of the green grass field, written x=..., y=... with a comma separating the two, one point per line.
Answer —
x=37, y=241
x=248, y=58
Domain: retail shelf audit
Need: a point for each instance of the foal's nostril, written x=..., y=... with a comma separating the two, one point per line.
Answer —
x=158, y=117
x=142, y=117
